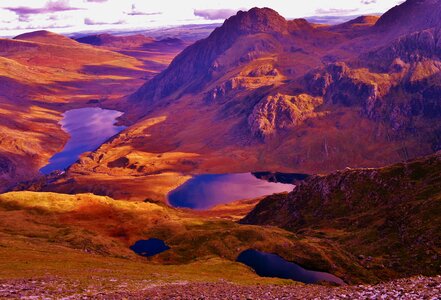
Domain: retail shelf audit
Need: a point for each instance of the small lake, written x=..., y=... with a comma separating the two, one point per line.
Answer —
x=149, y=247
x=88, y=128
x=272, y=265
x=206, y=191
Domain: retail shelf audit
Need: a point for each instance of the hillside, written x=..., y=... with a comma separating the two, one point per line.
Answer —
x=388, y=218
x=103, y=229
x=43, y=74
x=265, y=94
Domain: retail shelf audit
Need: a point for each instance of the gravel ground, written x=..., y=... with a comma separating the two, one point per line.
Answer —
x=53, y=288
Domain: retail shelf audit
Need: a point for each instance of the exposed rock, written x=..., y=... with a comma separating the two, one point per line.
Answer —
x=281, y=112
x=224, y=89
x=263, y=70
x=121, y=162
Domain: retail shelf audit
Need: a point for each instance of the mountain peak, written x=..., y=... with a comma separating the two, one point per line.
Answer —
x=257, y=20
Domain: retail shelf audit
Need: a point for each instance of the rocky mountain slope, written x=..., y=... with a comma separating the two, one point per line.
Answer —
x=264, y=93
x=388, y=217
x=410, y=16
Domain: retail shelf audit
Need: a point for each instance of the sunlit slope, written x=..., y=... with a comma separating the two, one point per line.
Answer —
x=43, y=74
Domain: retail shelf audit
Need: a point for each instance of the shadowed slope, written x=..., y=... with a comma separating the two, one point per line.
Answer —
x=390, y=214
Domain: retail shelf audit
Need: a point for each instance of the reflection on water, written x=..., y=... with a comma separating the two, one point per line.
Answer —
x=272, y=265
x=88, y=128
x=206, y=191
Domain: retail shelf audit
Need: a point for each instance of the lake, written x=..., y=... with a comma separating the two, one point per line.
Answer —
x=272, y=265
x=149, y=247
x=208, y=190
x=88, y=128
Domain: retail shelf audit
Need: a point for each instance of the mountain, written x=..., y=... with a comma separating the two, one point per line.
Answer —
x=388, y=217
x=204, y=61
x=262, y=93
x=411, y=16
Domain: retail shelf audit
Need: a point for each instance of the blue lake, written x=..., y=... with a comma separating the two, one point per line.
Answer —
x=208, y=190
x=88, y=128
x=272, y=265
x=149, y=247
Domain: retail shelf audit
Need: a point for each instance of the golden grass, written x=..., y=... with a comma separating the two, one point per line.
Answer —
x=202, y=246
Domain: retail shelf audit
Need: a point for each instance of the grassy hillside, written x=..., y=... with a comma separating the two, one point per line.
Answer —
x=388, y=218
x=84, y=231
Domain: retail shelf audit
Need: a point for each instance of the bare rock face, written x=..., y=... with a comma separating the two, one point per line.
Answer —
x=280, y=112
x=263, y=70
x=222, y=90
x=337, y=85
x=411, y=48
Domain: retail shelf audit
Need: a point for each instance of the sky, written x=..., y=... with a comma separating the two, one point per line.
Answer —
x=69, y=16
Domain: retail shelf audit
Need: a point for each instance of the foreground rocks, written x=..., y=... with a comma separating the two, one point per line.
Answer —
x=56, y=288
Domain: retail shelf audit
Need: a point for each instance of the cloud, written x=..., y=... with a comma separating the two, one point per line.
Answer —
x=367, y=2
x=335, y=11
x=136, y=12
x=50, y=7
x=214, y=14
x=89, y=21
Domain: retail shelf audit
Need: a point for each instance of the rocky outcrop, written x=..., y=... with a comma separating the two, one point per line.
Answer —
x=220, y=91
x=409, y=49
x=338, y=85
x=278, y=112
x=263, y=70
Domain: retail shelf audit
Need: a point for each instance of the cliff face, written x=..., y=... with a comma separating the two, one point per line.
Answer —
x=390, y=214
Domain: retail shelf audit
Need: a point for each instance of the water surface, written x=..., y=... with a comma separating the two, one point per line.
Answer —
x=272, y=265
x=149, y=247
x=88, y=128
x=208, y=190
